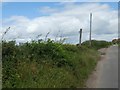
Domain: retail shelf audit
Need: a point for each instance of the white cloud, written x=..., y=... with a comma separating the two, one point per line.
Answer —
x=68, y=22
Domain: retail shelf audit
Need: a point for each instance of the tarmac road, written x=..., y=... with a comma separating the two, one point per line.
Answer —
x=106, y=74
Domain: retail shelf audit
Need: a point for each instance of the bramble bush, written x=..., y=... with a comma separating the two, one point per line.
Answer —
x=47, y=64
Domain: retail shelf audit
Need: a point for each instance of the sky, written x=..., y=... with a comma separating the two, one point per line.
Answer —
x=59, y=0
x=62, y=19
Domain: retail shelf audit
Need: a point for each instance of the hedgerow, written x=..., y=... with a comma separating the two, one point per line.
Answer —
x=40, y=64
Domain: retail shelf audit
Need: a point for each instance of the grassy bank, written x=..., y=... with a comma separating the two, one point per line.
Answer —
x=97, y=44
x=46, y=64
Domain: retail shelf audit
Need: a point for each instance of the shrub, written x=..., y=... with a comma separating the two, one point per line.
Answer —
x=97, y=44
x=46, y=64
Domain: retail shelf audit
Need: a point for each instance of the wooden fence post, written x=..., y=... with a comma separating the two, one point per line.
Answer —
x=80, y=37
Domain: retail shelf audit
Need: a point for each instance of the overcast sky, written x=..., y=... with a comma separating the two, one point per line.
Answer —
x=28, y=20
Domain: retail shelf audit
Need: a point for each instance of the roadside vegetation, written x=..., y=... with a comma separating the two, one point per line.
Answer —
x=97, y=44
x=48, y=64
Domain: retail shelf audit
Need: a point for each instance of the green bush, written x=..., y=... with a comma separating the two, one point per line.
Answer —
x=96, y=44
x=40, y=64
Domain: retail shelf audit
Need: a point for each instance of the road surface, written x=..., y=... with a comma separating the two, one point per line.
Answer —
x=106, y=72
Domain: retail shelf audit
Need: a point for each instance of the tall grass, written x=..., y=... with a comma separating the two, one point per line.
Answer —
x=48, y=64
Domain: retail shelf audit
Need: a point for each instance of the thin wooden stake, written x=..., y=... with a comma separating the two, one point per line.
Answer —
x=80, y=36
